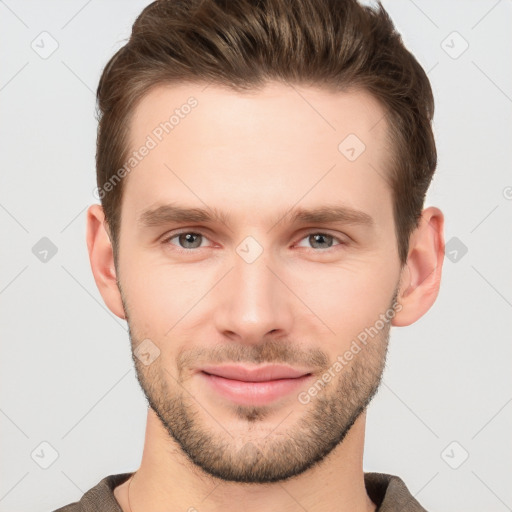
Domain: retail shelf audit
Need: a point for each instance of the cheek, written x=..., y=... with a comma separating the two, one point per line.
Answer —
x=346, y=299
x=159, y=295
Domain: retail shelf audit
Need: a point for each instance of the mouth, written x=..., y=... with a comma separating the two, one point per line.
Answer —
x=254, y=386
x=256, y=374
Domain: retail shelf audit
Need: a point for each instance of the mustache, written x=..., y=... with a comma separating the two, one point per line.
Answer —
x=271, y=352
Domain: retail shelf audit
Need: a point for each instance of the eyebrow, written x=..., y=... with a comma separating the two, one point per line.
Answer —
x=169, y=213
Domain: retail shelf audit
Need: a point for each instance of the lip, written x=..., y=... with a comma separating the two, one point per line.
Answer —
x=257, y=374
x=254, y=386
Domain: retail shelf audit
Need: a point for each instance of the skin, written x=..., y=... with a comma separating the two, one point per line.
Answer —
x=302, y=301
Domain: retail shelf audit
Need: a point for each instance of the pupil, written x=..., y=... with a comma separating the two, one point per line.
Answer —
x=316, y=237
x=189, y=238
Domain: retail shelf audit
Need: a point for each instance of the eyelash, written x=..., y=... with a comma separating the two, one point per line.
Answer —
x=167, y=239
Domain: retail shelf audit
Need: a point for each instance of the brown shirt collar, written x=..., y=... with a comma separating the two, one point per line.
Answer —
x=388, y=492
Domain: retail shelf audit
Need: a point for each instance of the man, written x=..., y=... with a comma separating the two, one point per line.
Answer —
x=262, y=169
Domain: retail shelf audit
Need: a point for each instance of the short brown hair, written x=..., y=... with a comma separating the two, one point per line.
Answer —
x=243, y=44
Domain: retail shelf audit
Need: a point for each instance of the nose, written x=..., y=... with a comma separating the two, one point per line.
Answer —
x=253, y=302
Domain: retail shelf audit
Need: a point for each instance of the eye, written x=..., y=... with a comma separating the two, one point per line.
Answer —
x=322, y=241
x=187, y=240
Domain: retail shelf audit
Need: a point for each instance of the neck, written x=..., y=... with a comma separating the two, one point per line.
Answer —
x=167, y=480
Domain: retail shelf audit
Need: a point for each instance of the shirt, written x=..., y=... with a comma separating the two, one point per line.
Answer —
x=388, y=492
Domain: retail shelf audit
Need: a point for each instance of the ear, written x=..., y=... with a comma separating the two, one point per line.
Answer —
x=421, y=276
x=101, y=256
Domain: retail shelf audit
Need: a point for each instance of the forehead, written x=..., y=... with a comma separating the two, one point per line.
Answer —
x=258, y=149
x=222, y=108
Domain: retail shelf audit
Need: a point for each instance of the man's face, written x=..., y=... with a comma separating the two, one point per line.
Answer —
x=260, y=287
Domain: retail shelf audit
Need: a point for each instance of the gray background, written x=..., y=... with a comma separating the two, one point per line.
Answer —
x=67, y=375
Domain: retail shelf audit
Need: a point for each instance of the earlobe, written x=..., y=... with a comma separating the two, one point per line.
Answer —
x=101, y=257
x=421, y=276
